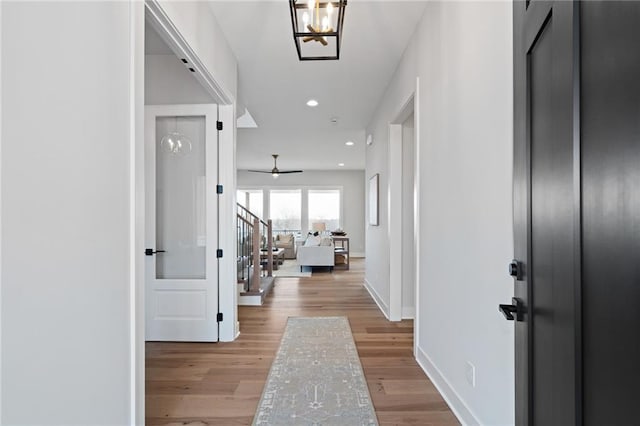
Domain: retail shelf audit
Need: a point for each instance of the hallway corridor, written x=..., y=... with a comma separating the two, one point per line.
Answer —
x=221, y=383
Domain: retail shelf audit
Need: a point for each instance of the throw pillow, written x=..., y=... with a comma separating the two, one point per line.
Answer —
x=326, y=241
x=286, y=238
x=312, y=242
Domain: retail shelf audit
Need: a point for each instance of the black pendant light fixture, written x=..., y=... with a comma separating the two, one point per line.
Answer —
x=317, y=28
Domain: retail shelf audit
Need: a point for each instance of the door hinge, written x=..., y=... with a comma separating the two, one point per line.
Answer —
x=219, y=125
x=219, y=253
x=220, y=316
x=219, y=189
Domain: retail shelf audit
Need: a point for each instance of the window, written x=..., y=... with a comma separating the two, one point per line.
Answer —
x=286, y=209
x=251, y=199
x=324, y=207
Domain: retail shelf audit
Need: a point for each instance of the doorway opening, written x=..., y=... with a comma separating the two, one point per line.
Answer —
x=404, y=226
x=181, y=96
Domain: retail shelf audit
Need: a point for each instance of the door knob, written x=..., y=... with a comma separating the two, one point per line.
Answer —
x=151, y=252
x=516, y=307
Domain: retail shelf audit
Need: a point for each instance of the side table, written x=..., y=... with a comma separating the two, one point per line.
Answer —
x=342, y=249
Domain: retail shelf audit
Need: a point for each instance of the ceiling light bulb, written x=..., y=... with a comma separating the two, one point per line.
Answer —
x=340, y=164
x=325, y=23
x=329, y=9
x=175, y=143
x=312, y=103
x=275, y=175
x=349, y=143
x=305, y=19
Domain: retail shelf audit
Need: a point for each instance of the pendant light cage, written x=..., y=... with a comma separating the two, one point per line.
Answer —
x=317, y=28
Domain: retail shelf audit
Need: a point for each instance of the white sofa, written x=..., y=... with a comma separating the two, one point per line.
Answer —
x=310, y=254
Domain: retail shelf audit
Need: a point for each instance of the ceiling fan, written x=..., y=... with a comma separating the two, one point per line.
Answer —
x=275, y=172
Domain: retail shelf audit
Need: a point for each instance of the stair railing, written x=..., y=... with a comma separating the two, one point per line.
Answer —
x=255, y=249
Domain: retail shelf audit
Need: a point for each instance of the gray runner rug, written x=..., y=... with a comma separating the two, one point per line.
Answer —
x=316, y=378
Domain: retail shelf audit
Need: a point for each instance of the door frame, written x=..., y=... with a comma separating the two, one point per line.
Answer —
x=395, y=237
x=152, y=12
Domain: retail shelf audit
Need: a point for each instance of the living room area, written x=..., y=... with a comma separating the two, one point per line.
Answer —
x=317, y=219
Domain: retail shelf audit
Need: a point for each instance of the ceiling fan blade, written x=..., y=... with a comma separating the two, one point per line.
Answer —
x=275, y=171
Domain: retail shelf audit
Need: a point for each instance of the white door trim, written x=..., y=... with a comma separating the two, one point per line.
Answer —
x=394, y=189
x=227, y=239
x=136, y=214
x=417, y=214
x=1, y=216
x=394, y=215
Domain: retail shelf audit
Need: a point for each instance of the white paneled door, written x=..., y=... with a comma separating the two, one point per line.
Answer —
x=181, y=230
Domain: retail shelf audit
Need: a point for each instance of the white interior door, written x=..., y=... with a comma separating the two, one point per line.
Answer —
x=181, y=150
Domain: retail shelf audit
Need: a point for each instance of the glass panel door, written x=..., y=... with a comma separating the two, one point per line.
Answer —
x=180, y=198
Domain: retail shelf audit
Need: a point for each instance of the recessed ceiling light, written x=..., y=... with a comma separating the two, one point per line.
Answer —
x=340, y=164
x=349, y=143
x=312, y=103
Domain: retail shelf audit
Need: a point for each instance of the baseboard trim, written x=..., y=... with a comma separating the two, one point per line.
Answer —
x=408, y=312
x=451, y=397
x=376, y=298
x=357, y=255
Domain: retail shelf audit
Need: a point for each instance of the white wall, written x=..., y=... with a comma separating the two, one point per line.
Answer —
x=198, y=26
x=352, y=182
x=66, y=213
x=462, y=55
x=69, y=344
x=168, y=82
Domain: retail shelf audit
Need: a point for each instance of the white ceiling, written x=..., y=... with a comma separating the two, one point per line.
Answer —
x=274, y=85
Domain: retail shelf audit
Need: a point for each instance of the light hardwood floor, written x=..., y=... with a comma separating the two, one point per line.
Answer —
x=221, y=383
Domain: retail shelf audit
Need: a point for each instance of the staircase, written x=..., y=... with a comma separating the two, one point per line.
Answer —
x=255, y=257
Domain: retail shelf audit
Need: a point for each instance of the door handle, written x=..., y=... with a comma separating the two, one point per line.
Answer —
x=151, y=252
x=516, y=307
